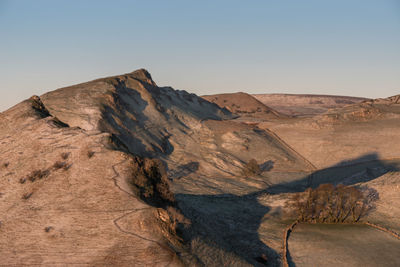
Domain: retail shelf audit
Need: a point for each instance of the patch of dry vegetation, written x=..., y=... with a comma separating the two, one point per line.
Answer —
x=59, y=165
x=90, y=154
x=27, y=195
x=252, y=168
x=65, y=155
x=151, y=182
x=333, y=204
x=38, y=174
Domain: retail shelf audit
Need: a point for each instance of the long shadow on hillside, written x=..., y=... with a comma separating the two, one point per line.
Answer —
x=231, y=223
x=126, y=119
x=362, y=169
x=224, y=229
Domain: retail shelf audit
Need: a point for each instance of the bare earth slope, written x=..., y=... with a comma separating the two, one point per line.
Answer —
x=65, y=197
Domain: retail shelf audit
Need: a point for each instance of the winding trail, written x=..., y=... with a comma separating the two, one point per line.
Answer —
x=115, y=221
x=116, y=183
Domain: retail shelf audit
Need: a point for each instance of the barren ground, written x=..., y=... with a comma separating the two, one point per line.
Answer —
x=342, y=245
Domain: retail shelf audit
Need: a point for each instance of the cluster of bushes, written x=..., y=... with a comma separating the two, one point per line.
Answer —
x=40, y=174
x=333, y=204
x=34, y=175
x=151, y=182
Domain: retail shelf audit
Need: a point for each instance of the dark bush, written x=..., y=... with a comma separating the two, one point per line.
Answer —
x=27, y=195
x=65, y=155
x=90, y=154
x=67, y=167
x=59, y=165
x=252, y=168
x=151, y=182
x=38, y=174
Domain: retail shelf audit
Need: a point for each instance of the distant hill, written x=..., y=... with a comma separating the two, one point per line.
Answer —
x=242, y=104
x=302, y=105
x=363, y=111
x=364, y=130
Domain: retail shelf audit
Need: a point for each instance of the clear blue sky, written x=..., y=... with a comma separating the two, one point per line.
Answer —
x=345, y=47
